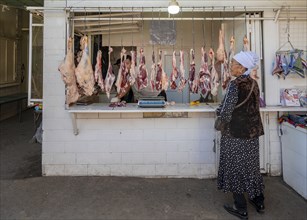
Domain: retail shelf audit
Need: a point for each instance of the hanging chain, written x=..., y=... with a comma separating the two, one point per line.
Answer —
x=69, y=25
x=224, y=14
x=181, y=29
x=245, y=21
x=193, y=32
x=173, y=29
x=212, y=28
x=85, y=19
x=220, y=19
x=288, y=24
x=98, y=35
x=203, y=26
x=233, y=23
x=160, y=27
x=132, y=30
x=142, y=28
x=153, y=43
x=121, y=37
x=109, y=26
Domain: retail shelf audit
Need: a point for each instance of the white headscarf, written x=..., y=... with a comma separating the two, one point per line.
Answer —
x=247, y=59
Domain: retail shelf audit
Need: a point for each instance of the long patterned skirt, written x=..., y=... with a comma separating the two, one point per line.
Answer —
x=239, y=168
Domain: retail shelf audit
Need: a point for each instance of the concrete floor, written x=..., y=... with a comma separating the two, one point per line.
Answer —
x=27, y=195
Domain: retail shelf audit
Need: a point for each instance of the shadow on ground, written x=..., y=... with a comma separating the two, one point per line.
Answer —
x=19, y=157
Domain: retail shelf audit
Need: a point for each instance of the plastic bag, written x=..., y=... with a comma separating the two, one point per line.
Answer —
x=38, y=136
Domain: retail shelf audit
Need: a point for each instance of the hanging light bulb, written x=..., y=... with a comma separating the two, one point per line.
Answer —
x=173, y=7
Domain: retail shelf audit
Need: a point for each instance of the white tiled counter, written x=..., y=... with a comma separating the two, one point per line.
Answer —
x=104, y=110
x=175, y=141
x=132, y=110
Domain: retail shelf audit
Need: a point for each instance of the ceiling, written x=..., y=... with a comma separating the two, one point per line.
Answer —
x=22, y=3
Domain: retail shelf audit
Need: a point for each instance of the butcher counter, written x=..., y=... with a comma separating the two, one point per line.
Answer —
x=175, y=141
x=180, y=110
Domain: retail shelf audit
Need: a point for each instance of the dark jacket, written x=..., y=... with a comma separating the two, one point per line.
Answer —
x=246, y=120
x=129, y=97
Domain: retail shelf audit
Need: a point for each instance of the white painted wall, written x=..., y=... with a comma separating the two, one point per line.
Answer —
x=273, y=38
x=126, y=144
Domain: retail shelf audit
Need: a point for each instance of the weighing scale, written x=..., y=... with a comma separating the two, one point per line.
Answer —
x=152, y=102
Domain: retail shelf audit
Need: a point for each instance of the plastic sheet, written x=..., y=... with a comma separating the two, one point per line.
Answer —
x=163, y=32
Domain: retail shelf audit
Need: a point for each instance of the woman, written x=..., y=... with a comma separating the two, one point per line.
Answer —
x=239, y=169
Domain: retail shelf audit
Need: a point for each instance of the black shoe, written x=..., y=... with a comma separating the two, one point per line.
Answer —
x=258, y=205
x=235, y=212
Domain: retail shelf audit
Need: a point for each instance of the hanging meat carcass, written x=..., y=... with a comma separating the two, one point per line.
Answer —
x=245, y=44
x=182, y=79
x=193, y=78
x=98, y=71
x=231, y=50
x=142, y=75
x=204, y=74
x=123, y=76
x=225, y=75
x=246, y=47
x=161, y=77
x=79, y=53
x=84, y=71
x=174, y=74
x=220, y=52
x=214, y=75
x=110, y=77
x=132, y=74
x=153, y=71
x=67, y=70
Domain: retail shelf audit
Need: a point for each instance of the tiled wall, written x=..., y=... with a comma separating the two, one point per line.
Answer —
x=130, y=145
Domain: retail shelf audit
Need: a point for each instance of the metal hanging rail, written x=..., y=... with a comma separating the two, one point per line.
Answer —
x=118, y=11
x=188, y=19
x=164, y=9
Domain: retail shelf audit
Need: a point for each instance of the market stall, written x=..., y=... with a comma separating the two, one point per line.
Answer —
x=187, y=55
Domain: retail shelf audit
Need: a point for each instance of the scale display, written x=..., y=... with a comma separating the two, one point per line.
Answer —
x=152, y=102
